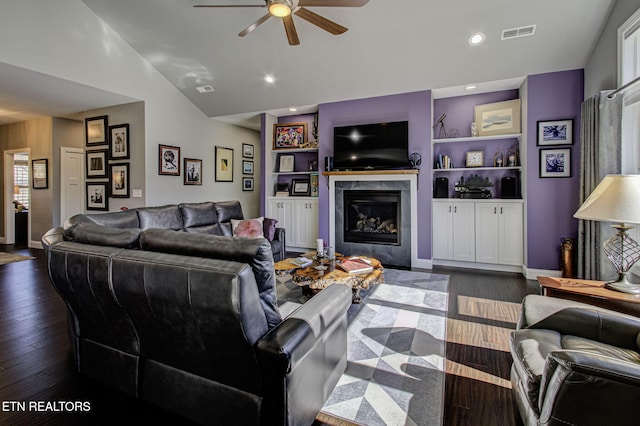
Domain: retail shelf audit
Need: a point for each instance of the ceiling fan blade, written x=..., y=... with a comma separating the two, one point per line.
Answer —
x=254, y=25
x=229, y=5
x=320, y=21
x=333, y=3
x=290, y=28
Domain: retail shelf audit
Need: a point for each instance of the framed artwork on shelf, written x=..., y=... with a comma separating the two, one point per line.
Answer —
x=168, y=160
x=247, y=167
x=555, y=163
x=247, y=184
x=289, y=135
x=558, y=132
x=96, y=163
x=286, y=163
x=119, y=180
x=475, y=159
x=300, y=187
x=314, y=185
x=97, y=198
x=247, y=150
x=119, y=142
x=499, y=118
x=40, y=174
x=95, y=130
x=224, y=164
x=192, y=171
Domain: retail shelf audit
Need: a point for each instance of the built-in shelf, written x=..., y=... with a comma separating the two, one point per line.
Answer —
x=290, y=150
x=477, y=138
x=311, y=172
x=466, y=169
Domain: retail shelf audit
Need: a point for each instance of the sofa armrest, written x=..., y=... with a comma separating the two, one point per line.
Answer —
x=586, y=388
x=303, y=357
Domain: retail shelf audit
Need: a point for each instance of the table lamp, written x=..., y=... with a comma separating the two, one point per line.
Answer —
x=617, y=199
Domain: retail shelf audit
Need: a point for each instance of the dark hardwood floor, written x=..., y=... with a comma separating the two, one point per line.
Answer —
x=36, y=365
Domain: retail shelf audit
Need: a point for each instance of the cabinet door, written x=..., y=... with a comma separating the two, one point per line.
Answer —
x=511, y=234
x=464, y=247
x=487, y=230
x=282, y=210
x=442, y=230
x=306, y=223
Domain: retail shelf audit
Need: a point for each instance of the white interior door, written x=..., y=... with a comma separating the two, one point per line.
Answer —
x=71, y=182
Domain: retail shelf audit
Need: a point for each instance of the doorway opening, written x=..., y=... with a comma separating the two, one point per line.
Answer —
x=17, y=199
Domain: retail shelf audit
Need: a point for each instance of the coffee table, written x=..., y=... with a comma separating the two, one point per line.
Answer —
x=323, y=273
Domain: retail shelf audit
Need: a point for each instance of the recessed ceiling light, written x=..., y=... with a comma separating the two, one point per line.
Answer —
x=269, y=79
x=293, y=109
x=470, y=87
x=476, y=39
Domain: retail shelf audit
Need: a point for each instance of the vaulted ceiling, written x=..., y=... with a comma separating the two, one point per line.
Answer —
x=392, y=46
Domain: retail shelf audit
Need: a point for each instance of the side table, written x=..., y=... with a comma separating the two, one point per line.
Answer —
x=591, y=292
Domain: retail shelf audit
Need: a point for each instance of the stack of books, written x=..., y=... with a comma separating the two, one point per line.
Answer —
x=302, y=262
x=282, y=194
x=443, y=162
x=355, y=265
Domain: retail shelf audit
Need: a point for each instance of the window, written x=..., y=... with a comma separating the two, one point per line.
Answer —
x=629, y=69
x=21, y=179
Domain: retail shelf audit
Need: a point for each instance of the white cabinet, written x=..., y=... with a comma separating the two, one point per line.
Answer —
x=478, y=231
x=282, y=209
x=306, y=223
x=453, y=225
x=299, y=217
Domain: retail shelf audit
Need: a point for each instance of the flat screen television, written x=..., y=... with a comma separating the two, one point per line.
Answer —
x=371, y=146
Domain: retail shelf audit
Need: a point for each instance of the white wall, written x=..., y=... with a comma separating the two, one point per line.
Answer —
x=63, y=38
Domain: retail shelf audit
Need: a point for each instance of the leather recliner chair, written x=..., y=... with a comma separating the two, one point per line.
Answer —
x=575, y=364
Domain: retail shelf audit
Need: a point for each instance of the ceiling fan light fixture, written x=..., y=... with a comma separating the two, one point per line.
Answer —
x=279, y=8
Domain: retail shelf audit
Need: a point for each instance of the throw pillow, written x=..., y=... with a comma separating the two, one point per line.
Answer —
x=249, y=228
x=269, y=228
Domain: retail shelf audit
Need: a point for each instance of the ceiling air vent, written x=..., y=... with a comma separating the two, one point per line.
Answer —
x=529, y=30
x=205, y=89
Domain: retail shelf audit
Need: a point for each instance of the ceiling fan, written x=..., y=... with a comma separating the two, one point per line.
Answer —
x=285, y=8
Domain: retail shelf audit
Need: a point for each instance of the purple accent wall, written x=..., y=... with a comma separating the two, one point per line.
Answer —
x=413, y=107
x=551, y=202
x=263, y=162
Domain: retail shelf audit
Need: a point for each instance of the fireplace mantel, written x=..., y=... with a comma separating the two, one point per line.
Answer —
x=372, y=172
x=369, y=179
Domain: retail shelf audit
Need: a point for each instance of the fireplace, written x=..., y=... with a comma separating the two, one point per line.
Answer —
x=372, y=217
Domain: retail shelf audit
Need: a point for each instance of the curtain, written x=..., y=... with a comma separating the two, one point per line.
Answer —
x=600, y=148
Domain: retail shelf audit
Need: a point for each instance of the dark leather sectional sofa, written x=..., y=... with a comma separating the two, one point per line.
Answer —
x=189, y=321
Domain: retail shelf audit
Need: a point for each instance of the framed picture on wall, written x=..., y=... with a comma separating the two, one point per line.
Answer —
x=224, y=164
x=96, y=163
x=169, y=160
x=247, y=167
x=558, y=132
x=40, y=173
x=119, y=180
x=247, y=150
x=247, y=184
x=555, y=163
x=95, y=130
x=119, y=142
x=97, y=198
x=192, y=171
x=289, y=135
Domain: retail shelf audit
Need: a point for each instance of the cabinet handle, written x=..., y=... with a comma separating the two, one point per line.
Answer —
x=449, y=209
x=495, y=210
x=500, y=210
x=455, y=209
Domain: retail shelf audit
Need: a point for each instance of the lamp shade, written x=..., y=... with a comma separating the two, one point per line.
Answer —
x=615, y=199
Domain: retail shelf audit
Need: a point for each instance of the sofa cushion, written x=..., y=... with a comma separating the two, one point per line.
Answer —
x=228, y=210
x=529, y=349
x=249, y=228
x=586, y=345
x=269, y=228
x=164, y=217
x=198, y=214
x=121, y=219
x=256, y=252
x=90, y=233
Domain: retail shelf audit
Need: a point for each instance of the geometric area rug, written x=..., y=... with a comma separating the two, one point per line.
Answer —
x=395, y=353
x=10, y=258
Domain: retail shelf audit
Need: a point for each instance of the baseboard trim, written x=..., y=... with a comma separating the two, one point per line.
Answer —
x=423, y=264
x=36, y=245
x=2, y=240
x=532, y=274
x=481, y=266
